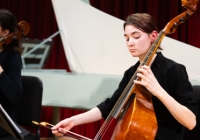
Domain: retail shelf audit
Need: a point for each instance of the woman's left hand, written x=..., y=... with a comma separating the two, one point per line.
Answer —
x=148, y=80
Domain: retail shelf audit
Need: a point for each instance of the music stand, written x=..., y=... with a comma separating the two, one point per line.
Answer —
x=7, y=123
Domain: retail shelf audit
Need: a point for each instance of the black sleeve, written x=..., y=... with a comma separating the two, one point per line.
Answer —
x=182, y=88
x=10, y=78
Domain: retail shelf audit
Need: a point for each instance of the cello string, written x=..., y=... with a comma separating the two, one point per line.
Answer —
x=116, y=107
x=121, y=101
x=107, y=121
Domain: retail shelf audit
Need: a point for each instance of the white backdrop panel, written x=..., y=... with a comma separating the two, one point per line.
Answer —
x=93, y=41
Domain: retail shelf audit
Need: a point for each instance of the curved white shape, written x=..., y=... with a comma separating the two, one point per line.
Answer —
x=93, y=41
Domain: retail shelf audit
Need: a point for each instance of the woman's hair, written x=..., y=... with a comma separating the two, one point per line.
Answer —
x=143, y=22
x=9, y=22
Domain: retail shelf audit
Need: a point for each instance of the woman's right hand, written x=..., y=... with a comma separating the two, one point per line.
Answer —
x=83, y=118
x=63, y=126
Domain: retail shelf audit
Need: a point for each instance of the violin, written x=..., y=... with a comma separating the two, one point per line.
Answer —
x=24, y=29
x=134, y=118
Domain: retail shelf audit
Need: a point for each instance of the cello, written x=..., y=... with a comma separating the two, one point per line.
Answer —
x=133, y=114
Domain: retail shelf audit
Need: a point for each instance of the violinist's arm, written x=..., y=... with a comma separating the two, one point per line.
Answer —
x=181, y=113
x=87, y=117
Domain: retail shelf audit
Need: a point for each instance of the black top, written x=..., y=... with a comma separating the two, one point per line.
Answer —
x=174, y=79
x=10, y=80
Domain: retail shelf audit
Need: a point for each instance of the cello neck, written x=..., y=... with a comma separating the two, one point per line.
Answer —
x=152, y=50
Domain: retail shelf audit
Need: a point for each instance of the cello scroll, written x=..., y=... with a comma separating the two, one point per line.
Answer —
x=191, y=6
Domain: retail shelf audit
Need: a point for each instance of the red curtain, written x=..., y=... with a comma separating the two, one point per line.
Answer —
x=40, y=15
x=163, y=11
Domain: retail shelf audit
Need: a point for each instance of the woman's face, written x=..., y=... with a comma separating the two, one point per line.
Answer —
x=3, y=33
x=137, y=41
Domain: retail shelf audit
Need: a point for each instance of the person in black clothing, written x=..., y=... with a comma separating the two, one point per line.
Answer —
x=165, y=79
x=10, y=70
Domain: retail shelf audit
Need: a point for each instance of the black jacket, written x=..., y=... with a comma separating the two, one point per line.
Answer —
x=174, y=79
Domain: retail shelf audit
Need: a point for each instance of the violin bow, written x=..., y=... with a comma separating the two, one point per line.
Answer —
x=66, y=133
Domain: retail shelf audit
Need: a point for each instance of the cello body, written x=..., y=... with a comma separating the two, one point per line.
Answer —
x=138, y=122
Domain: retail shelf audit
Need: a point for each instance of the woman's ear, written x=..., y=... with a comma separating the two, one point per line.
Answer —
x=5, y=32
x=153, y=36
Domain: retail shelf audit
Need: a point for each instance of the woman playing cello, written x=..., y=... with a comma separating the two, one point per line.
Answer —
x=165, y=79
